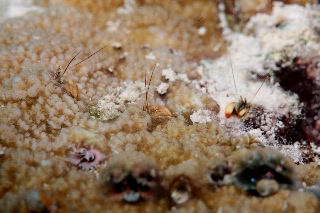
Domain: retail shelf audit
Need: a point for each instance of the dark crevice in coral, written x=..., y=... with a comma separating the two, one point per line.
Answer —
x=291, y=133
x=218, y=173
x=288, y=134
x=297, y=79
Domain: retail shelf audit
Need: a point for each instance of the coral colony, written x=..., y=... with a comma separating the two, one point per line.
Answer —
x=102, y=138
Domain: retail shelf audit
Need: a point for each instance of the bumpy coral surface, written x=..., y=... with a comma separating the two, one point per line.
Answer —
x=84, y=140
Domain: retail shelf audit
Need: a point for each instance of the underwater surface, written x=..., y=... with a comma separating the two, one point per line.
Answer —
x=159, y=106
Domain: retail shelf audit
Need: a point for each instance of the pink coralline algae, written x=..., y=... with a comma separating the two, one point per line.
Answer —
x=86, y=159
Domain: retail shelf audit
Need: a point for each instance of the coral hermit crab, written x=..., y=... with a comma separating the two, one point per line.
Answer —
x=153, y=110
x=242, y=106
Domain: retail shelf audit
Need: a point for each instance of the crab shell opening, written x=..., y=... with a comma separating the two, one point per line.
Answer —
x=159, y=111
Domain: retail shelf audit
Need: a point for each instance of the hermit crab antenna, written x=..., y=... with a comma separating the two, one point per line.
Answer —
x=70, y=62
x=89, y=56
x=258, y=89
x=145, y=83
x=234, y=81
x=145, y=86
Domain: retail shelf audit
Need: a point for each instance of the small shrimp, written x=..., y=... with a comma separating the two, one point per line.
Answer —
x=241, y=107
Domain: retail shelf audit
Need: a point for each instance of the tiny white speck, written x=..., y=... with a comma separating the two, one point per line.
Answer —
x=162, y=88
x=202, y=30
x=116, y=45
x=150, y=56
x=169, y=74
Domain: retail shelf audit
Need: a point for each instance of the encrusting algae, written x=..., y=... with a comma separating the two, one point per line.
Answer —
x=91, y=138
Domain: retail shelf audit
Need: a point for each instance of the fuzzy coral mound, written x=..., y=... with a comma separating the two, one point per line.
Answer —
x=55, y=144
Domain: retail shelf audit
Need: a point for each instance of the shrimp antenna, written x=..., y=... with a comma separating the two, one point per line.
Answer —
x=258, y=89
x=145, y=84
x=70, y=62
x=89, y=56
x=234, y=81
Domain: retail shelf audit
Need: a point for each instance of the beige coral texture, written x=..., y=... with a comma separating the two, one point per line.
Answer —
x=40, y=121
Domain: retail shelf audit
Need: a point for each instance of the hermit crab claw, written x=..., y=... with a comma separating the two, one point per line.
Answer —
x=229, y=110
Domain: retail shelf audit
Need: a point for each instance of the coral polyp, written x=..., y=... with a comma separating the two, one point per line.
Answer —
x=181, y=190
x=220, y=173
x=255, y=170
x=131, y=183
x=266, y=187
x=131, y=186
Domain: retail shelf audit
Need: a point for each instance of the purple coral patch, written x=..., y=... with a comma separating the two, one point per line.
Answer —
x=85, y=159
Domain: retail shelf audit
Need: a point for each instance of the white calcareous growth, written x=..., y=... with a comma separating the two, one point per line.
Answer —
x=163, y=88
x=111, y=105
x=203, y=116
x=169, y=74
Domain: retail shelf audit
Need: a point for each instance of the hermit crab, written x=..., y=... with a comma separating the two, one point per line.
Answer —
x=153, y=110
x=68, y=86
x=241, y=107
